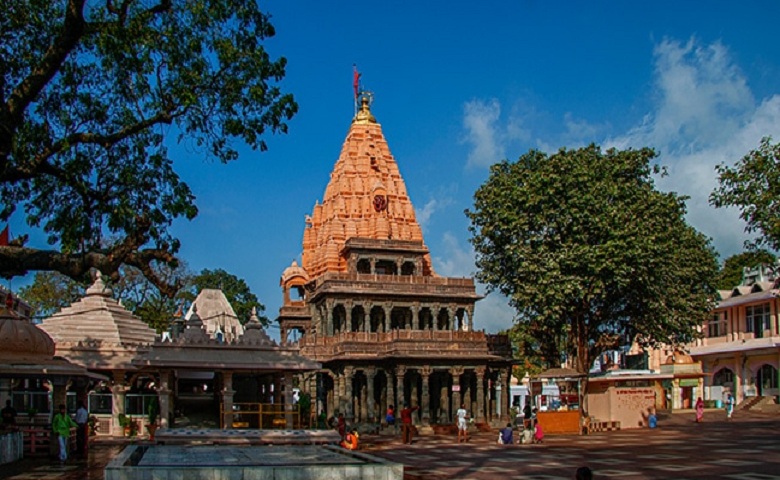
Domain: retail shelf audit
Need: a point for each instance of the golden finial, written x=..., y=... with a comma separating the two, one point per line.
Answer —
x=364, y=115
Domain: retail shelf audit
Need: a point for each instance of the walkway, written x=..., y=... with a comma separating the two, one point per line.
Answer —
x=746, y=448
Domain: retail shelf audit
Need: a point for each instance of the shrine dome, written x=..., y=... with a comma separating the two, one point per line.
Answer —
x=20, y=338
x=679, y=358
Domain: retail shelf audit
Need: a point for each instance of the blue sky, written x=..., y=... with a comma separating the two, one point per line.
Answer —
x=460, y=85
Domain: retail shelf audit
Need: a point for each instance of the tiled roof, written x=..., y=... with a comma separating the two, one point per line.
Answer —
x=98, y=318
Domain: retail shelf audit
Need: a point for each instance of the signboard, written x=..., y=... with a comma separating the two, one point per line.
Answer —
x=689, y=382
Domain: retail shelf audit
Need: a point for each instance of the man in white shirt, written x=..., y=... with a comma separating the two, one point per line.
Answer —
x=463, y=432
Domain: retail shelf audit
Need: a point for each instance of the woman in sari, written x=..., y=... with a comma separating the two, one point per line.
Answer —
x=699, y=410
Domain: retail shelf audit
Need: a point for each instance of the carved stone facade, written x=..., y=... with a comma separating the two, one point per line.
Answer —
x=367, y=304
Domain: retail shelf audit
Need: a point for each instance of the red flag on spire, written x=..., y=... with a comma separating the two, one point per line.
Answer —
x=4, y=237
x=355, y=80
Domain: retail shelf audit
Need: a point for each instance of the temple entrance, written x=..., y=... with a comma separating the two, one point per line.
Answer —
x=196, y=403
x=766, y=381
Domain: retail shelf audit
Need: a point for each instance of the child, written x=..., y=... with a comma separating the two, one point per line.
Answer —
x=390, y=416
x=505, y=436
x=538, y=433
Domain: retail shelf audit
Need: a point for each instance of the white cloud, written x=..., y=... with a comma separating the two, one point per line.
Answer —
x=480, y=121
x=705, y=115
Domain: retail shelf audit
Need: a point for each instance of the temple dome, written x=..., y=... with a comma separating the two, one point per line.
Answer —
x=294, y=270
x=20, y=338
x=679, y=358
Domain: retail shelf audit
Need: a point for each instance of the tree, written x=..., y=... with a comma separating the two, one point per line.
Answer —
x=145, y=300
x=587, y=249
x=753, y=186
x=235, y=289
x=730, y=274
x=90, y=95
x=531, y=347
x=49, y=292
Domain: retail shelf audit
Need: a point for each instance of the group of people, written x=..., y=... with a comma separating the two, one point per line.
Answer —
x=61, y=425
x=729, y=404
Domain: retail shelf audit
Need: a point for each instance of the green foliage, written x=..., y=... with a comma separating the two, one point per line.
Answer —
x=536, y=351
x=152, y=410
x=589, y=253
x=91, y=96
x=144, y=299
x=235, y=289
x=730, y=274
x=753, y=186
x=49, y=292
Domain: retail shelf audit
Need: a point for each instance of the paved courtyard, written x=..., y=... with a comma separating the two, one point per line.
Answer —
x=747, y=448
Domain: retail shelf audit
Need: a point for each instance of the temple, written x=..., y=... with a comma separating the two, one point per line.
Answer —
x=367, y=304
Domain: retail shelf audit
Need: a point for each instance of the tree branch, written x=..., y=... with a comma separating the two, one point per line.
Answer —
x=16, y=261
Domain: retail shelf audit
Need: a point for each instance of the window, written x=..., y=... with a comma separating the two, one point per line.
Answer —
x=757, y=319
x=718, y=324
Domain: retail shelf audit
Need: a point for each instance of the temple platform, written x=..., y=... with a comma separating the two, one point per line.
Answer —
x=215, y=436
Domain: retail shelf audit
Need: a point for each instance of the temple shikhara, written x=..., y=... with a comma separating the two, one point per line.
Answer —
x=367, y=304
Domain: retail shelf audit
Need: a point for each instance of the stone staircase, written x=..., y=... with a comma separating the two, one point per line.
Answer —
x=760, y=404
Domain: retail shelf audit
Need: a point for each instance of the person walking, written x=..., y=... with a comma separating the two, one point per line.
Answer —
x=82, y=417
x=407, y=429
x=463, y=427
x=729, y=405
x=61, y=426
x=699, y=410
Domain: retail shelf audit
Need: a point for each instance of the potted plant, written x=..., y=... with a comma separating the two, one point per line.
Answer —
x=152, y=410
x=129, y=426
x=31, y=413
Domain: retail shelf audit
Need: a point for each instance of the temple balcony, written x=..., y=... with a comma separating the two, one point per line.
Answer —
x=405, y=285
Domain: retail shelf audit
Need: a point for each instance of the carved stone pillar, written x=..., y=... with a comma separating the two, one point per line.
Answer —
x=388, y=309
x=425, y=373
x=118, y=392
x=416, y=315
x=227, y=399
x=435, y=309
x=390, y=393
x=400, y=373
x=331, y=328
x=456, y=372
x=288, y=400
x=470, y=313
x=480, y=413
x=164, y=393
x=452, y=319
x=370, y=407
x=348, y=375
x=348, y=317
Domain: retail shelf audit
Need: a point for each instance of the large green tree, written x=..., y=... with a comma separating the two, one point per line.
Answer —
x=587, y=249
x=235, y=289
x=753, y=186
x=92, y=94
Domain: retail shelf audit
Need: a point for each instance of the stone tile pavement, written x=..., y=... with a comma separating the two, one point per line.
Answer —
x=747, y=448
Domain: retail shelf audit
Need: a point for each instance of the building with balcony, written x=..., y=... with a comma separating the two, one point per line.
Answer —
x=740, y=345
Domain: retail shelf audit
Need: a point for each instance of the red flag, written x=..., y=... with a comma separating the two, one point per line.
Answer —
x=355, y=80
x=4, y=237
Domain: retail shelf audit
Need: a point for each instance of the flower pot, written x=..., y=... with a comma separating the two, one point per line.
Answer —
x=151, y=428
